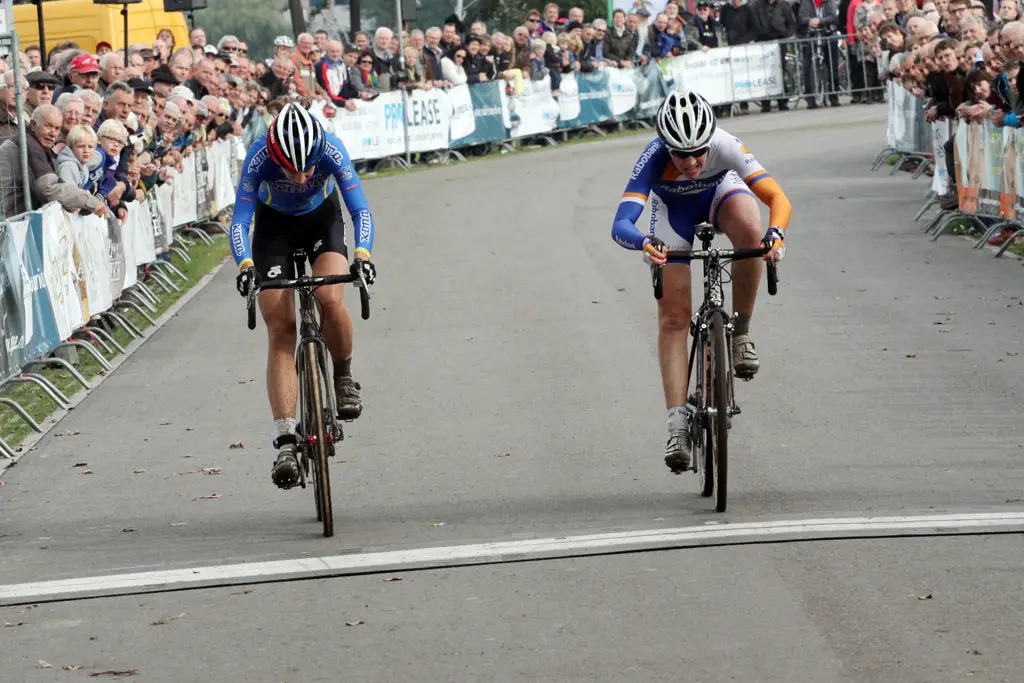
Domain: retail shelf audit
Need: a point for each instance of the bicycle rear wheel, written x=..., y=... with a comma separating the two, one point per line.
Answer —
x=313, y=426
x=718, y=425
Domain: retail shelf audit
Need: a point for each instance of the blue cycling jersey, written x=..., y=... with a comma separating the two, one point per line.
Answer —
x=264, y=181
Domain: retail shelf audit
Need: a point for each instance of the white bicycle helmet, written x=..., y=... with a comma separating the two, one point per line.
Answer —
x=685, y=122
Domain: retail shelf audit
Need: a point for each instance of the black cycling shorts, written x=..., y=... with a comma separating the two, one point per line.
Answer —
x=277, y=235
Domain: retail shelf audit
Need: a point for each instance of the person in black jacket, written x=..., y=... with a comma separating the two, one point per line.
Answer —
x=740, y=29
x=819, y=19
x=775, y=21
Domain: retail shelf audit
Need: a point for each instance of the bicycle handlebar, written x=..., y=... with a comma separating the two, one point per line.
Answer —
x=308, y=282
x=684, y=255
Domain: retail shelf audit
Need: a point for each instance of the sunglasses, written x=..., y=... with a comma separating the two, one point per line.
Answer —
x=366, y=61
x=687, y=155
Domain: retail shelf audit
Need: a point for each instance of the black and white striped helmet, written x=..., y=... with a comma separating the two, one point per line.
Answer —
x=685, y=122
x=295, y=139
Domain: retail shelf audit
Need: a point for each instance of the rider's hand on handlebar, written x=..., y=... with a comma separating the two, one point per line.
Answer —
x=655, y=250
x=246, y=280
x=365, y=268
x=774, y=238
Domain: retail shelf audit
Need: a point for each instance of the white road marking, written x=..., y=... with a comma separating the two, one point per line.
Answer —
x=362, y=563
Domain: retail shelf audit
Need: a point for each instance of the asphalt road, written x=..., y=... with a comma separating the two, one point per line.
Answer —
x=511, y=392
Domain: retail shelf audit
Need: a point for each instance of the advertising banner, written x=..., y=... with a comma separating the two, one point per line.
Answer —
x=60, y=269
x=730, y=74
x=488, y=125
x=39, y=334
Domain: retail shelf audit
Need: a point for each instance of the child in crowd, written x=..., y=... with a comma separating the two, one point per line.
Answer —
x=670, y=41
x=113, y=136
x=79, y=159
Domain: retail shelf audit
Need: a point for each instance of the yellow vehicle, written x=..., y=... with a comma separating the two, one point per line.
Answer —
x=88, y=24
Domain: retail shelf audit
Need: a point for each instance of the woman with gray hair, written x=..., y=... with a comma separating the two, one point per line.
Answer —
x=72, y=111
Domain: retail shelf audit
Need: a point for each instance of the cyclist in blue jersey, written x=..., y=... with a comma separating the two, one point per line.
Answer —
x=695, y=172
x=289, y=191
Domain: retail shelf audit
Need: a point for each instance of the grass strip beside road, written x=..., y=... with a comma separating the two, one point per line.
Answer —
x=40, y=406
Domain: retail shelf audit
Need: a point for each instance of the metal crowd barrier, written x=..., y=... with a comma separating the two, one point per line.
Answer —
x=65, y=279
x=988, y=164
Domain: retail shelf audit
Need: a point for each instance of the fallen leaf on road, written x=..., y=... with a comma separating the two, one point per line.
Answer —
x=81, y=464
x=926, y=596
x=244, y=592
x=937, y=322
x=862, y=290
x=1012, y=353
x=972, y=651
x=502, y=455
x=236, y=445
x=127, y=530
x=45, y=665
x=621, y=289
x=71, y=667
x=125, y=672
x=940, y=298
x=16, y=624
x=437, y=524
x=189, y=429
x=354, y=623
x=210, y=470
x=911, y=355
x=140, y=471
x=166, y=620
x=392, y=578
x=245, y=381
x=86, y=472
x=210, y=497
x=178, y=523
x=1013, y=500
x=884, y=348
x=74, y=433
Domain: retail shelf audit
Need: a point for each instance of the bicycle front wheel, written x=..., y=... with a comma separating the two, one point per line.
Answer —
x=313, y=423
x=718, y=427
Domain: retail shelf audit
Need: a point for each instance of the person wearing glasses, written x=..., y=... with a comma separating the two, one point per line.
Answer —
x=695, y=172
x=41, y=86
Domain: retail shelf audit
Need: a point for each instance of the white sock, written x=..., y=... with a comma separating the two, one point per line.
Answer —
x=678, y=419
x=285, y=425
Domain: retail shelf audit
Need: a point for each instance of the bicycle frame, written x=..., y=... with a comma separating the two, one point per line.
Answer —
x=714, y=300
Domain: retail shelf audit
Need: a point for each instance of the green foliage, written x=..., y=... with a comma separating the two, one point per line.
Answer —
x=257, y=22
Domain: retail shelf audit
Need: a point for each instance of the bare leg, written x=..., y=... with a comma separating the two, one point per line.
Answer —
x=740, y=221
x=673, y=331
x=335, y=322
x=277, y=307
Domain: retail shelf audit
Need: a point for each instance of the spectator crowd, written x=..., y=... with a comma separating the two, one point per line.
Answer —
x=962, y=56
x=105, y=127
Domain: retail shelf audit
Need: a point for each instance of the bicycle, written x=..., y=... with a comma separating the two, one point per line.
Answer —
x=319, y=429
x=713, y=399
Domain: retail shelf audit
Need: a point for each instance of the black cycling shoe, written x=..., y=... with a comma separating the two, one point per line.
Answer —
x=350, y=402
x=286, y=468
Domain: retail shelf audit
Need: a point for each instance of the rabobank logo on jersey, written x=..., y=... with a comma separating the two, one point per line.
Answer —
x=651, y=150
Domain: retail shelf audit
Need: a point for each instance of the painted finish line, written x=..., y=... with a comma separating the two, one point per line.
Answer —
x=509, y=551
